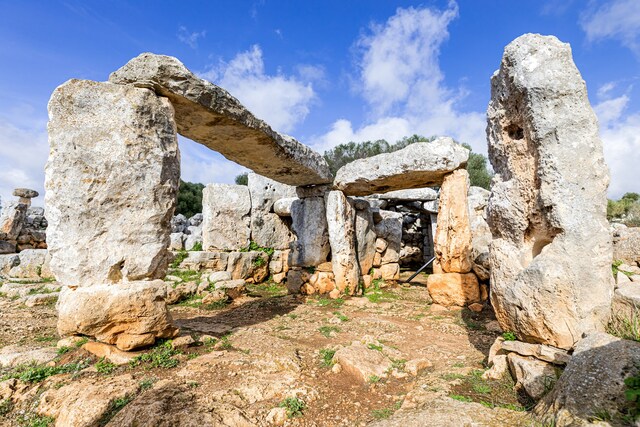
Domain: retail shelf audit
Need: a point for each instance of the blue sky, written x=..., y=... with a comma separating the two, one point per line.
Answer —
x=325, y=72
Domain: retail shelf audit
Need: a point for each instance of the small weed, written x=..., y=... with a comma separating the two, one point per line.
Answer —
x=398, y=364
x=461, y=398
x=481, y=388
x=115, y=407
x=180, y=256
x=81, y=342
x=259, y=262
x=253, y=246
x=509, y=336
x=193, y=384
x=381, y=414
x=327, y=330
x=294, y=406
x=105, y=367
x=161, y=356
x=41, y=290
x=341, y=316
x=186, y=275
x=632, y=394
x=146, y=383
x=327, y=357
x=292, y=316
x=374, y=347
x=451, y=376
x=5, y=406
x=63, y=350
x=225, y=342
x=38, y=373
x=197, y=247
x=458, y=365
x=35, y=420
x=373, y=379
x=600, y=415
x=625, y=326
x=45, y=338
x=328, y=302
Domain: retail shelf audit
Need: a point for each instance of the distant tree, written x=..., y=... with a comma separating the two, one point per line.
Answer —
x=242, y=179
x=189, y=199
x=479, y=175
x=342, y=154
x=626, y=210
x=634, y=197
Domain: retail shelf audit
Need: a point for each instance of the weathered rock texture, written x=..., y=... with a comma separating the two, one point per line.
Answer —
x=626, y=244
x=453, y=232
x=111, y=179
x=551, y=254
x=309, y=224
x=344, y=253
x=268, y=229
x=226, y=222
x=418, y=165
x=209, y=115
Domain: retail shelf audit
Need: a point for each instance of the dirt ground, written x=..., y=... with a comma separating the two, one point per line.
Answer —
x=271, y=350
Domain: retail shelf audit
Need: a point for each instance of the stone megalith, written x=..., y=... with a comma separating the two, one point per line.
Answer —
x=309, y=224
x=111, y=183
x=551, y=254
x=268, y=229
x=422, y=164
x=342, y=237
x=210, y=116
x=226, y=210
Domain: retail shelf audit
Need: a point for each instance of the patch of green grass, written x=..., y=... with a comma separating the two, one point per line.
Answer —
x=384, y=413
x=375, y=347
x=461, y=398
x=458, y=365
x=105, y=367
x=376, y=294
x=197, y=247
x=6, y=406
x=41, y=290
x=35, y=420
x=451, y=376
x=509, y=336
x=632, y=394
x=294, y=406
x=63, y=350
x=186, y=275
x=398, y=364
x=373, y=379
x=626, y=326
x=253, y=246
x=341, y=316
x=45, y=338
x=328, y=302
x=180, y=256
x=259, y=262
x=146, y=383
x=481, y=388
x=327, y=356
x=268, y=288
x=82, y=341
x=37, y=373
x=114, y=407
x=161, y=356
x=292, y=316
x=490, y=393
x=225, y=342
x=327, y=330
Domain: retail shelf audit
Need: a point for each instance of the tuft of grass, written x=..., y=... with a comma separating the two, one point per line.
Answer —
x=37, y=373
x=81, y=342
x=632, y=394
x=626, y=326
x=161, y=356
x=374, y=347
x=186, y=275
x=253, y=246
x=328, y=302
x=259, y=262
x=105, y=367
x=327, y=330
x=327, y=357
x=146, y=383
x=294, y=406
x=34, y=420
x=398, y=364
x=45, y=338
x=461, y=398
x=225, y=342
x=381, y=414
x=341, y=317
x=41, y=290
x=509, y=336
x=373, y=379
x=114, y=407
x=6, y=406
x=180, y=256
x=197, y=247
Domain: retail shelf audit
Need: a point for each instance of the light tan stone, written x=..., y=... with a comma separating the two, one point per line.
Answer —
x=454, y=289
x=226, y=212
x=341, y=224
x=390, y=271
x=453, y=233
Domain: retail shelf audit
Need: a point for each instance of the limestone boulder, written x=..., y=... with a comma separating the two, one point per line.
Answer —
x=410, y=195
x=33, y=264
x=551, y=254
x=389, y=228
x=129, y=315
x=453, y=241
x=226, y=213
x=283, y=206
x=245, y=265
x=533, y=376
x=200, y=260
x=626, y=244
x=592, y=383
x=309, y=224
x=209, y=115
x=268, y=229
x=419, y=165
x=365, y=238
x=454, y=289
x=12, y=220
x=344, y=253
x=112, y=179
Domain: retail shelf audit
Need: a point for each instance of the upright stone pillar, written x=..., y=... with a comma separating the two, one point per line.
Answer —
x=226, y=210
x=344, y=253
x=111, y=179
x=551, y=255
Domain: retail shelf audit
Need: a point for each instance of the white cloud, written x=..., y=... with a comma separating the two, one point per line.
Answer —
x=615, y=19
x=190, y=38
x=23, y=154
x=282, y=101
x=401, y=81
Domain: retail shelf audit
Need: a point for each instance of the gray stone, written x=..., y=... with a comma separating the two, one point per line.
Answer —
x=548, y=200
x=7, y=247
x=112, y=180
x=365, y=239
x=7, y=262
x=209, y=115
x=592, y=383
x=176, y=241
x=267, y=228
x=179, y=224
x=12, y=220
x=193, y=237
x=390, y=229
x=283, y=206
x=539, y=351
x=233, y=288
x=219, y=276
x=344, y=256
x=33, y=264
x=14, y=355
x=414, y=194
x=226, y=222
x=196, y=220
x=25, y=193
x=416, y=166
x=626, y=244
x=309, y=224
x=533, y=376
x=431, y=206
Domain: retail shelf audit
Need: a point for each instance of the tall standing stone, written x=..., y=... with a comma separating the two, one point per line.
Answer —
x=551, y=254
x=365, y=238
x=309, y=223
x=268, y=229
x=344, y=254
x=111, y=179
x=226, y=212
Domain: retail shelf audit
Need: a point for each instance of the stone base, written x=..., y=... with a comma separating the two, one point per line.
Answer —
x=454, y=289
x=128, y=315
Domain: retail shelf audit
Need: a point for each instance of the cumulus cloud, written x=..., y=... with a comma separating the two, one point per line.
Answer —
x=615, y=19
x=400, y=78
x=282, y=101
x=190, y=38
x=23, y=154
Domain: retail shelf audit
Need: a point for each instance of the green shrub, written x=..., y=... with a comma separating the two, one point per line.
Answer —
x=189, y=199
x=509, y=336
x=294, y=406
x=197, y=247
x=327, y=357
x=180, y=256
x=105, y=367
x=242, y=179
x=161, y=356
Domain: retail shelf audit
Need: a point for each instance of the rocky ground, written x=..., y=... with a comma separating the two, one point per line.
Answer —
x=388, y=358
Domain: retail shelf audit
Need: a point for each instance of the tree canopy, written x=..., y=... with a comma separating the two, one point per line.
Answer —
x=626, y=210
x=189, y=199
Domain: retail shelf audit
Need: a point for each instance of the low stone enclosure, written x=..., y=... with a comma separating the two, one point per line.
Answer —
x=113, y=174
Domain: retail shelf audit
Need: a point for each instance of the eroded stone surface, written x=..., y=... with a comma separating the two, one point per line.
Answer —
x=416, y=166
x=268, y=229
x=454, y=289
x=111, y=179
x=209, y=115
x=551, y=254
x=344, y=257
x=226, y=222
x=309, y=224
